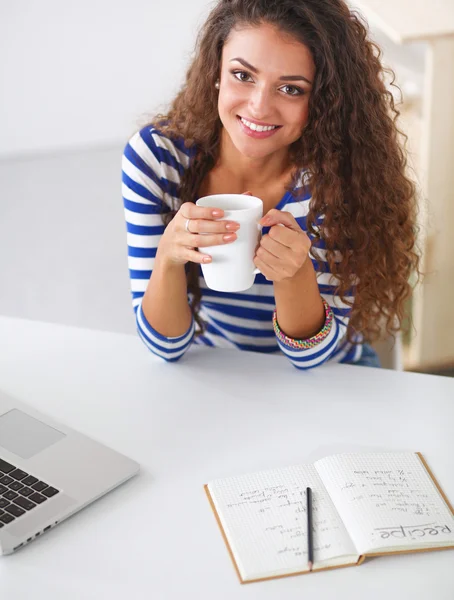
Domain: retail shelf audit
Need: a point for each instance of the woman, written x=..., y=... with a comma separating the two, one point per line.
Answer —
x=285, y=100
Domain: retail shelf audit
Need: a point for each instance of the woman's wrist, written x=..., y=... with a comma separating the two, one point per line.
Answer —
x=304, y=344
x=165, y=302
x=164, y=263
x=299, y=305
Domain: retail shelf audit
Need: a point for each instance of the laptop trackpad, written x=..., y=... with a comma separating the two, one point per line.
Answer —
x=24, y=435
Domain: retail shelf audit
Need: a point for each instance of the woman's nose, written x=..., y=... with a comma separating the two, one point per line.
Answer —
x=259, y=103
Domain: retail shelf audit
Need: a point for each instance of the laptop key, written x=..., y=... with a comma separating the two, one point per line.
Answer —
x=39, y=486
x=24, y=503
x=6, y=467
x=6, y=479
x=38, y=498
x=30, y=480
x=15, y=510
x=3, y=488
x=26, y=491
x=15, y=486
x=2, y=525
x=3, y=502
x=7, y=518
x=18, y=474
x=10, y=495
x=49, y=492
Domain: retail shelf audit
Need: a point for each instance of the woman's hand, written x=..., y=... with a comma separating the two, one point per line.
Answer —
x=284, y=249
x=181, y=237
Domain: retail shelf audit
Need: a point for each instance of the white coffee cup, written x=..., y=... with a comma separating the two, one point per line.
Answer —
x=232, y=267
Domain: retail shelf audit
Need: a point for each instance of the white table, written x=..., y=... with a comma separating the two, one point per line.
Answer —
x=216, y=413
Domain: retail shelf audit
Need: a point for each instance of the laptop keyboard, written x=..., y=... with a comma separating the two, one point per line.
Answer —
x=20, y=493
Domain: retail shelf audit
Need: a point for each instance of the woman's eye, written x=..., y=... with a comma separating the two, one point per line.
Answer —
x=242, y=75
x=292, y=90
x=289, y=90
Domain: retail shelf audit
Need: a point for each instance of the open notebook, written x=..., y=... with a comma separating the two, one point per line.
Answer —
x=363, y=505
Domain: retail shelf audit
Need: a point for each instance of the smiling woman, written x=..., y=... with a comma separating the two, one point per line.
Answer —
x=284, y=99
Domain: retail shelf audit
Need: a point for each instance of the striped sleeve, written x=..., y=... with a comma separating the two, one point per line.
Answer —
x=151, y=167
x=333, y=346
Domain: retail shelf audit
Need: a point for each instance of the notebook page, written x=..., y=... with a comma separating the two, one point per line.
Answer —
x=264, y=519
x=387, y=500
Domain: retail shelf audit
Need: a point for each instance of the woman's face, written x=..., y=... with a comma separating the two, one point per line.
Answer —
x=265, y=82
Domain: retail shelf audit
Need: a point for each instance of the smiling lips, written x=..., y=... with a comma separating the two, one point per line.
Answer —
x=255, y=130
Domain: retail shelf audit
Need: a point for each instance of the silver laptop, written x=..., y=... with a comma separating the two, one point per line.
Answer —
x=48, y=472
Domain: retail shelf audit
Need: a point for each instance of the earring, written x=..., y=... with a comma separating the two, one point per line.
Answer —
x=217, y=85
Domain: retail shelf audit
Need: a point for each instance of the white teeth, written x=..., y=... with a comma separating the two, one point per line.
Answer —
x=255, y=127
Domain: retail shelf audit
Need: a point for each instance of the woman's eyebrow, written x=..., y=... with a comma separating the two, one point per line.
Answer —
x=283, y=78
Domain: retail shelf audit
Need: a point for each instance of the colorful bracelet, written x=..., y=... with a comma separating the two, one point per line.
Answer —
x=310, y=342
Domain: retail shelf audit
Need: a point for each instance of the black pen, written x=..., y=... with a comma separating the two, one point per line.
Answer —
x=310, y=538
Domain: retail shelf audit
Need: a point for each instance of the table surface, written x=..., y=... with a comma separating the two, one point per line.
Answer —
x=409, y=20
x=215, y=413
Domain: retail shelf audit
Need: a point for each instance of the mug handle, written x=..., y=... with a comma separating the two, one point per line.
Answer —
x=257, y=271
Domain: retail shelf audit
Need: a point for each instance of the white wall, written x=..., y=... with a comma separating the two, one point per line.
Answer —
x=63, y=240
x=81, y=73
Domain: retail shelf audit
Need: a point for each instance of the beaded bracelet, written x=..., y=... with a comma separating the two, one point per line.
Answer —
x=310, y=342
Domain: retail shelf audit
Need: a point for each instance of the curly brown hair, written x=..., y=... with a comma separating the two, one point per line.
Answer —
x=351, y=150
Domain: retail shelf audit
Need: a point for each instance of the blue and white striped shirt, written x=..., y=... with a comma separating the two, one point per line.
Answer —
x=152, y=167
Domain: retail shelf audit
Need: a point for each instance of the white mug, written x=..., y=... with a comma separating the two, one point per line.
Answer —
x=232, y=267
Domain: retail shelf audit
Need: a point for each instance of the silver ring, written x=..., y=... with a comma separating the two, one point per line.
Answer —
x=186, y=226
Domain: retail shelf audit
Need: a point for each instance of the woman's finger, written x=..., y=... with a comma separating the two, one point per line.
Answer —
x=268, y=272
x=195, y=257
x=194, y=240
x=189, y=210
x=275, y=248
x=283, y=235
x=204, y=226
x=271, y=260
x=279, y=217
